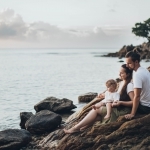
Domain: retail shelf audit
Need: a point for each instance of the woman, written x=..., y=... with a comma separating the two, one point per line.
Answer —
x=122, y=107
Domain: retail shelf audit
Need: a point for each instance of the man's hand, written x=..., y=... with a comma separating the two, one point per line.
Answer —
x=129, y=116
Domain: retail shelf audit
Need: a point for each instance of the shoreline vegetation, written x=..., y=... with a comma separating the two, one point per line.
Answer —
x=43, y=130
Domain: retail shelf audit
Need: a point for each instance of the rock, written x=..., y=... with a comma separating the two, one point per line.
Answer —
x=14, y=139
x=55, y=105
x=128, y=48
x=147, y=60
x=87, y=97
x=43, y=121
x=121, y=134
x=111, y=55
x=122, y=52
x=120, y=61
x=148, y=68
x=24, y=116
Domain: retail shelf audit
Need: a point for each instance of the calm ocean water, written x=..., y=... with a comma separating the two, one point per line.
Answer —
x=28, y=76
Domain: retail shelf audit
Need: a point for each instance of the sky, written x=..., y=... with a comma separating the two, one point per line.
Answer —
x=71, y=23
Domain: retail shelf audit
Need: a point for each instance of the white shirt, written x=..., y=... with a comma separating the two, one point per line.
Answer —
x=111, y=97
x=141, y=79
x=129, y=87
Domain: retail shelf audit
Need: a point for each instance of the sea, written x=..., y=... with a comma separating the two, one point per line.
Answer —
x=27, y=76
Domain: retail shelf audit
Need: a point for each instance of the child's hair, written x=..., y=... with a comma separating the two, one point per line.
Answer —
x=111, y=82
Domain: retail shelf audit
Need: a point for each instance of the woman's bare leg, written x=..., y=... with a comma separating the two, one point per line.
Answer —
x=88, y=119
x=108, y=107
x=98, y=118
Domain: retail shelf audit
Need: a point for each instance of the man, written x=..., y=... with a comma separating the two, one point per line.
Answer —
x=141, y=83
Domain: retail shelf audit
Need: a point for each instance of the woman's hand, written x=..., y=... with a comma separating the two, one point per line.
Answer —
x=116, y=104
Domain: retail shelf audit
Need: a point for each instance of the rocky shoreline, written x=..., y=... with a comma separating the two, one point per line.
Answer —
x=51, y=114
x=43, y=130
x=143, y=49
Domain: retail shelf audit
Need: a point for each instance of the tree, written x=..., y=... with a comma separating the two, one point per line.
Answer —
x=142, y=29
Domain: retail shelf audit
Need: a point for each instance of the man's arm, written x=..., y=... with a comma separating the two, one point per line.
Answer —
x=136, y=100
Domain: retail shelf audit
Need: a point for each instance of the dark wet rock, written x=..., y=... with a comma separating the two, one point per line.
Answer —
x=120, y=61
x=87, y=97
x=147, y=60
x=55, y=105
x=14, y=139
x=43, y=121
x=24, y=116
x=121, y=134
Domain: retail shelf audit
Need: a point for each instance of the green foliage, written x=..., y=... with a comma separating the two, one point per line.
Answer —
x=142, y=29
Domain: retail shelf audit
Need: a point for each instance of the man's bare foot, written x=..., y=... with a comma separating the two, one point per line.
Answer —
x=71, y=130
x=107, y=117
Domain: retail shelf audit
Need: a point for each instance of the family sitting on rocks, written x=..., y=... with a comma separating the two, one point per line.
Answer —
x=134, y=96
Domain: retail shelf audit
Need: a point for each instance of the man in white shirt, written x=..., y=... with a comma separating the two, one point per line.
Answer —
x=141, y=83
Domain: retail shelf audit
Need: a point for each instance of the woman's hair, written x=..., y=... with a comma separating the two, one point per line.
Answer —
x=135, y=55
x=111, y=82
x=123, y=92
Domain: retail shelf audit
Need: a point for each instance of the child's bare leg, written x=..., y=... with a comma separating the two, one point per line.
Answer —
x=108, y=107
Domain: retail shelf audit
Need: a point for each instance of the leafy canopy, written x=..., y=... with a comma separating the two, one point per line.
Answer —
x=142, y=29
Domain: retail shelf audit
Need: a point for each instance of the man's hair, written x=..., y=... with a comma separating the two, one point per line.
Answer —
x=134, y=55
x=111, y=82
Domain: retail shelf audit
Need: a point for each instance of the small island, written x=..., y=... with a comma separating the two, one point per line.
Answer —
x=141, y=30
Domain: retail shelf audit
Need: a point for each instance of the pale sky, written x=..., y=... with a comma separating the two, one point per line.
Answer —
x=70, y=23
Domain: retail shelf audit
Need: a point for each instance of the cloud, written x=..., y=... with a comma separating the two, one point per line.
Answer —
x=11, y=25
x=17, y=33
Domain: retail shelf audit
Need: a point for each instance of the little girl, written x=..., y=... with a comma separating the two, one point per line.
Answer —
x=110, y=97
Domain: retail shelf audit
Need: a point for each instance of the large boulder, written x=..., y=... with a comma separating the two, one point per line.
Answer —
x=14, y=139
x=146, y=46
x=24, y=116
x=122, y=52
x=43, y=121
x=54, y=104
x=87, y=97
